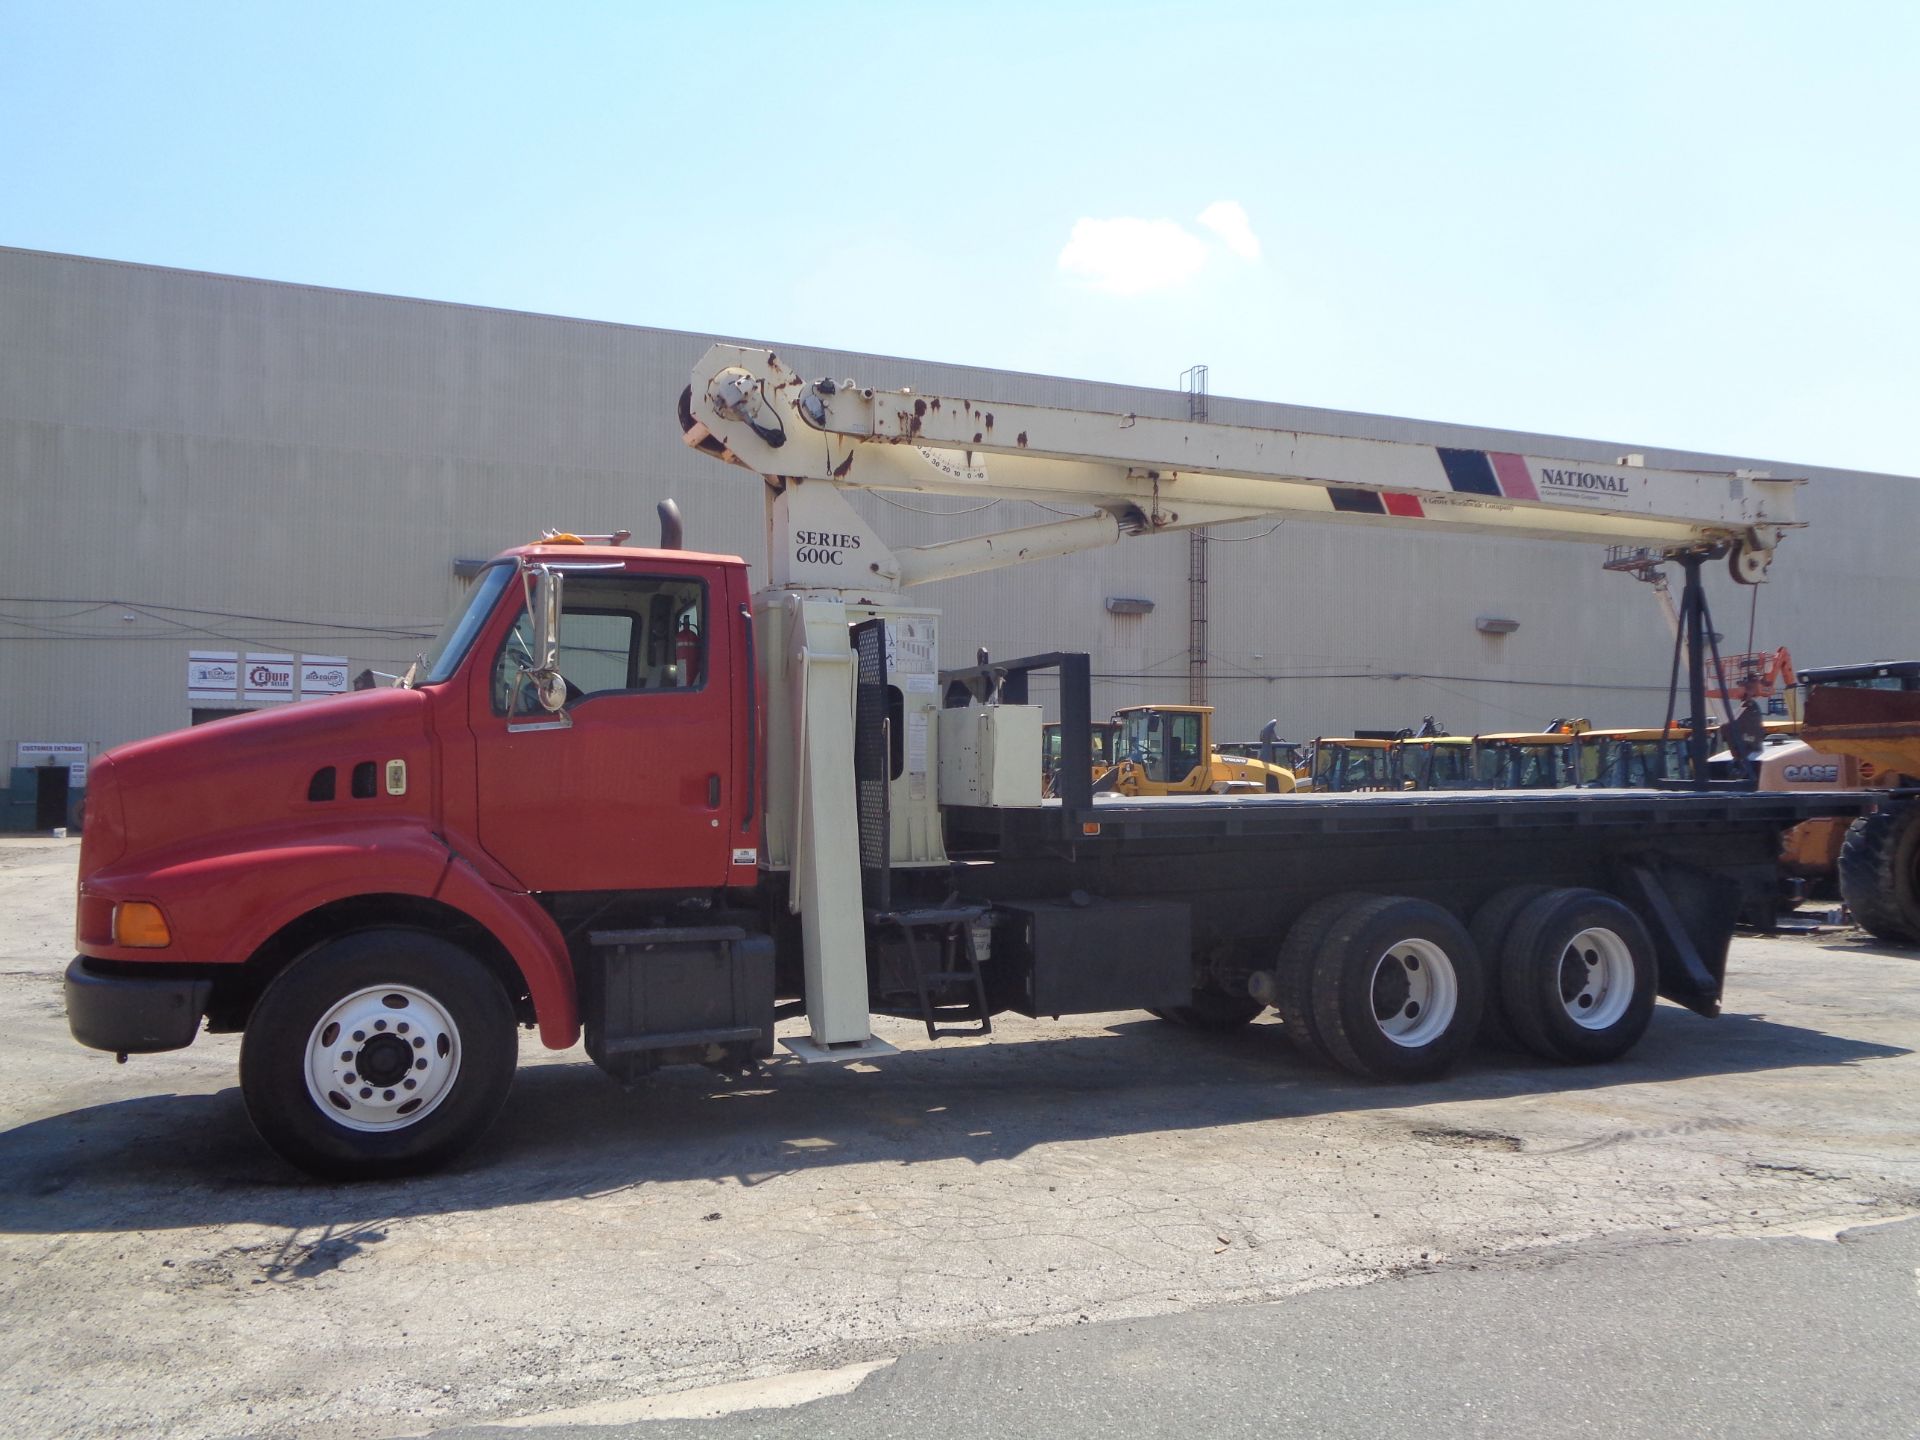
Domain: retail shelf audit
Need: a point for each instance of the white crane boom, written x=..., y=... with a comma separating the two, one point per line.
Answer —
x=1140, y=474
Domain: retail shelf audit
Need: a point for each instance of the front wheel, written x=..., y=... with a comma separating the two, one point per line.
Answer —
x=378, y=1054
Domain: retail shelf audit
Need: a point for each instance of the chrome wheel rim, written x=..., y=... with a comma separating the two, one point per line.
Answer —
x=1596, y=978
x=382, y=1058
x=1415, y=993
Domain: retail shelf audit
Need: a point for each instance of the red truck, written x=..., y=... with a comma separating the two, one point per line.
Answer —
x=621, y=796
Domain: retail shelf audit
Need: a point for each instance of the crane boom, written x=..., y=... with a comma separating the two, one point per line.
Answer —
x=1151, y=474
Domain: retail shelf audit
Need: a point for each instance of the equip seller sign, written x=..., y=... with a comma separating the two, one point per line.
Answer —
x=269, y=677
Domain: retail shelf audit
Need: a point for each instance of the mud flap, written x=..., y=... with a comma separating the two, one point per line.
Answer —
x=1691, y=915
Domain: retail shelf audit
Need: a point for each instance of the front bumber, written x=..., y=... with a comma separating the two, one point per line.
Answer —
x=132, y=1015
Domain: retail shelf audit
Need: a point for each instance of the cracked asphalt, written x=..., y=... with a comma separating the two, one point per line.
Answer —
x=165, y=1274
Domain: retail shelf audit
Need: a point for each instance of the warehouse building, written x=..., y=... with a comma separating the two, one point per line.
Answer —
x=224, y=494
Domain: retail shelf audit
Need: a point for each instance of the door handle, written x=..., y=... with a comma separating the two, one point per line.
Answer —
x=713, y=792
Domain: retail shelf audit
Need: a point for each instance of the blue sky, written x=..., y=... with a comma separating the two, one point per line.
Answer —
x=1688, y=224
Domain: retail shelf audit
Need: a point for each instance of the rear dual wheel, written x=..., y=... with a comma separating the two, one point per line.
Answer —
x=1491, y=923
x=1384, y=986
x=1293, y=975
x=1397, y=989
x=1576, y=976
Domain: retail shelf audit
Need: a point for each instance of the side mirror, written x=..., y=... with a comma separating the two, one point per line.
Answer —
x=543, y=587
x=543, y=609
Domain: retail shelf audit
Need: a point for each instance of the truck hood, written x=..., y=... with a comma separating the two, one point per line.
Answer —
x=262, y=769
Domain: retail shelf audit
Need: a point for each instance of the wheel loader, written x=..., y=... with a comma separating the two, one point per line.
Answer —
x=1168, y=750
x=1870, y=715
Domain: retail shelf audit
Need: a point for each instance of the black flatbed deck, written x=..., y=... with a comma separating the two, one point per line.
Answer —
x=1429, y=811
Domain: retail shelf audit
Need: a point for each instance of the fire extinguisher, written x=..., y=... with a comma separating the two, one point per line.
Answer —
x=686, y=651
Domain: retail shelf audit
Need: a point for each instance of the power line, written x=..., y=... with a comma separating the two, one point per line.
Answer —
x=147, y=607
x=922, y=510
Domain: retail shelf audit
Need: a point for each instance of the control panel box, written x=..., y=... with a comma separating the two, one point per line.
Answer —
x=990, y=756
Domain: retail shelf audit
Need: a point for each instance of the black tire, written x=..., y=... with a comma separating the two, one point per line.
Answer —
x=1397, y=989
x=1609, y=983
x=1489, y=928
x=459, y=1050
x=1213, y=1010
x=1879, y=862
x=1293, y=971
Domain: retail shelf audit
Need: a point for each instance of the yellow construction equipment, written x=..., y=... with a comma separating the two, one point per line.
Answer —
x=1168, y=750
x=1869, y=716
x=1435, y=762
x=1343, y=763
x=1631, y=759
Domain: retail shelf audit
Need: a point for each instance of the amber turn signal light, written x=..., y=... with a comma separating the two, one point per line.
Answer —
x=140, y=926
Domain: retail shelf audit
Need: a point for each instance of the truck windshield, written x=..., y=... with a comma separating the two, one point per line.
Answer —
x=443, y=657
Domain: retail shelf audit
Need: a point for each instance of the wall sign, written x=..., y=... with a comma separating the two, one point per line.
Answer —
x=213, y=675
x=221, y=677
x=269, y=677
x=322, y=675
x=72, y=754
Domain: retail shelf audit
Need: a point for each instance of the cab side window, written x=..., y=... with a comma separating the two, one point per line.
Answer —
x=1183, y=747
x=622, y=634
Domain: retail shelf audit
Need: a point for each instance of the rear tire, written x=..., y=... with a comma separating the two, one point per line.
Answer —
x=378, y=1054
x=1491, y=922
x=1578, y=977
x=1293, y=972
x=1397, y=989
x=1879, y=863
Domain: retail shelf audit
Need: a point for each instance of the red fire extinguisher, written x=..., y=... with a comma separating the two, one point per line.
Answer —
x=686, y=651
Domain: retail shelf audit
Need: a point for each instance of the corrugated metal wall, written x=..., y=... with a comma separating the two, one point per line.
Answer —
x=296, y=469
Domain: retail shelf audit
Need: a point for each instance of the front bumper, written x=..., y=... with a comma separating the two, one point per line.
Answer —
x=133, y=1015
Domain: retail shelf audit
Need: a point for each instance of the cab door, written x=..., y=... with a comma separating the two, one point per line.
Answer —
x=630, y=788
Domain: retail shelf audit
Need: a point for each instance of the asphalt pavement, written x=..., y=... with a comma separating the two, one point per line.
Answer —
x=1697, y=1339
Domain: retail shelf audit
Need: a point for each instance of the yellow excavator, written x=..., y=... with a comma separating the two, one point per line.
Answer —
x=1168, y=750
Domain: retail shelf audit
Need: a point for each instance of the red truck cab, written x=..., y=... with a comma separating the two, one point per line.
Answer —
x=431, y=845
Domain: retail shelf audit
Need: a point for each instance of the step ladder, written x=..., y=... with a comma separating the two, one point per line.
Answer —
x=940, y=961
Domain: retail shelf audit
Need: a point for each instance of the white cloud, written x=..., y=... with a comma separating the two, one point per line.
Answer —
x=1130, y=256
x=1227, y=220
